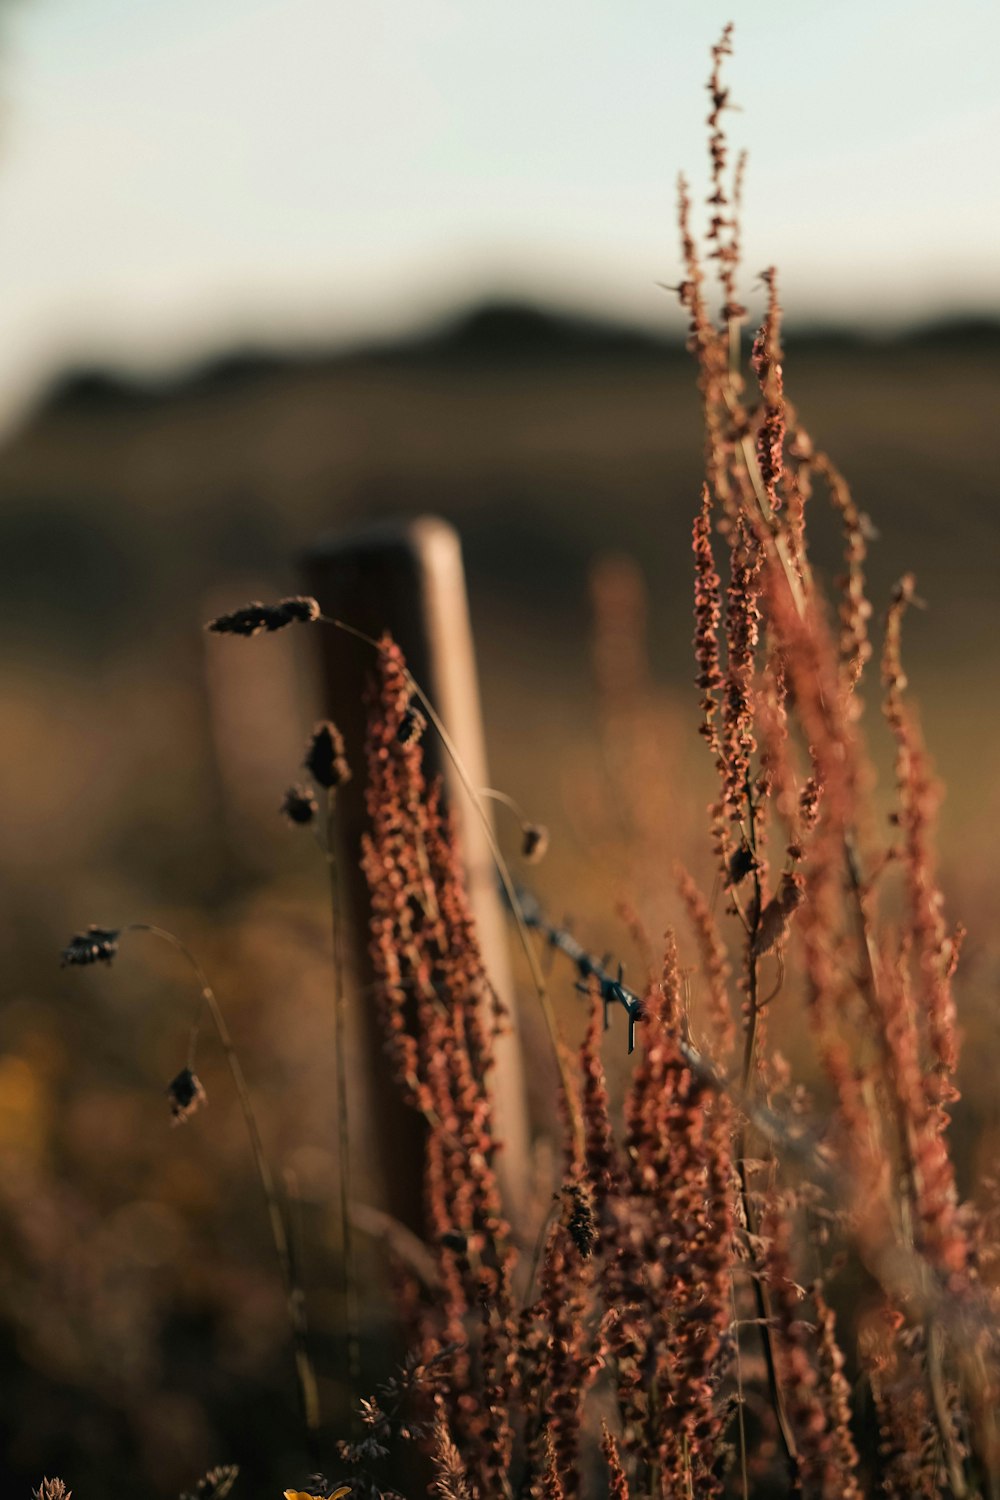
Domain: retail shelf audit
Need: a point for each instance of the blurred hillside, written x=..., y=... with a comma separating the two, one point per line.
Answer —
x=127, y=510
x=547, y=442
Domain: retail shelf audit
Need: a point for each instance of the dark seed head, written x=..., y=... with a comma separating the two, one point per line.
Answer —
x=325, y=757
x=96, y=945
x=740, y=864
x=247, y=620
x=186, y=1095
x=301, y=607
x=251, y=619
x=299, y=805
x=411, y=726
x=534, y=842
x=582, y=1223
x=454, y=1239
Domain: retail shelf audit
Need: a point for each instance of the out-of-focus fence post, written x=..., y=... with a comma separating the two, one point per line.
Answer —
x=407, y=578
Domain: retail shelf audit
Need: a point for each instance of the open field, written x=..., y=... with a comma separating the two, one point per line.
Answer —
x=122, y=512
x=140, y=1325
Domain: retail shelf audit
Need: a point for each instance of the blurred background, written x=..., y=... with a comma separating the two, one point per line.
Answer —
x=274, y=269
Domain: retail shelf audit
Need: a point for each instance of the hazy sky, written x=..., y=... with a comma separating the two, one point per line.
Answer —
x=175, y=174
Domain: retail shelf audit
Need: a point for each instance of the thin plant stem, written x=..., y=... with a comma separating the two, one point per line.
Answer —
x=349, y=1283
x=536, y=1258
x=773, y=535
x=764, y=1119
x=760, y=1290
x=495, y=795
x=686, y=1455
x=933, y=1335
x=294, y=1298
x=535, y=969
x=942, y=1416
x=740, y=1414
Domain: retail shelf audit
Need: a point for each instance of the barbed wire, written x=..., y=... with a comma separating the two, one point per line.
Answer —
x=803, y=1144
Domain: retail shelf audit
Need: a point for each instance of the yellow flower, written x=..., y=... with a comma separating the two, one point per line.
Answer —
x=345, y=1489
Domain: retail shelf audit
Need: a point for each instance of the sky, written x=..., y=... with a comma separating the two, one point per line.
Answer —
x=177, y=176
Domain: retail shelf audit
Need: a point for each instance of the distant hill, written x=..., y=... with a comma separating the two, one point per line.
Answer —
x=490, y=333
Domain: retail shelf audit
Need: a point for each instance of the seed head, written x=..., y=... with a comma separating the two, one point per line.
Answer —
x=454, y=1239
x=51, y=1489
x=325, y=760
x=96, y=945
x=186, y=1095
x=214, y=1485
x=251, y=619
x=411, y=725
x=299, y=805
x=741, y=862
x=582, y=1224
x=534, y=842
x=301, y=607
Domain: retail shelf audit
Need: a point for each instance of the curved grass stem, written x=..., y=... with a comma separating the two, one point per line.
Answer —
x=294, y=1298
x=559, y=1046
x=760, y=1290
x=349, y=1283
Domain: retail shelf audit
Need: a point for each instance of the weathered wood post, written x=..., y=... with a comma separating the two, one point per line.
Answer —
x=407, y=578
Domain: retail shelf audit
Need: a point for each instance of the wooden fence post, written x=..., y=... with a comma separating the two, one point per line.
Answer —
x=407, y=578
